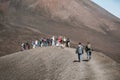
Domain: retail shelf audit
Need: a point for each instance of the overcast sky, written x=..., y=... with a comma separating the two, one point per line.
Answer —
x=113, y=6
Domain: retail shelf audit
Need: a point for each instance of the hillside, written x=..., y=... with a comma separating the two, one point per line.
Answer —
x=53, y=63
x=80, y=20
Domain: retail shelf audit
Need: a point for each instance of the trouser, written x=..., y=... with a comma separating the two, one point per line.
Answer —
x=80, y=57
x=88, y=54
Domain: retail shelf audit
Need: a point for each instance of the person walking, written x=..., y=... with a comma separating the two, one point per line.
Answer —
x=53, y=40
x=79, y=51
x=68, y=42
x=36, y=43
x=33, y=44
x=27, y=45
x=88, y=50
x=22, y=46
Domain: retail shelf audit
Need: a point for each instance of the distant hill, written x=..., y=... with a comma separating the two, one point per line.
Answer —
x=80, y=20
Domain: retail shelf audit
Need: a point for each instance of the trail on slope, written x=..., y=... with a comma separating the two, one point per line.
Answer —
x=54, y=63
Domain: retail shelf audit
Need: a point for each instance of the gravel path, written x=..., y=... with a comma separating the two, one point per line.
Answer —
x=54, y=63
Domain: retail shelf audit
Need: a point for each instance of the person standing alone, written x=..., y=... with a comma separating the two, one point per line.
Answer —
x=79, y=51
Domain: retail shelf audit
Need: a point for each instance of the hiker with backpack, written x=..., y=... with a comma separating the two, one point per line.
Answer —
x=79, y=51
x=88, y=50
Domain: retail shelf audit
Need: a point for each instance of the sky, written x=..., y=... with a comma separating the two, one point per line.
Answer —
x=112, y=6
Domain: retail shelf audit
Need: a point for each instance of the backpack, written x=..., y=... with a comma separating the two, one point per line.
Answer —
x=86, y=48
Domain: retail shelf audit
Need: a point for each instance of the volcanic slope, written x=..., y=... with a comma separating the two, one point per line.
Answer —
x=54, y=63
x=80, y=20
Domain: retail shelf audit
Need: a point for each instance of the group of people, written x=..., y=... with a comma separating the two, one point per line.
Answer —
x=80, y=50
x=59, y=42
x=44, y=42
x=25, y=46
